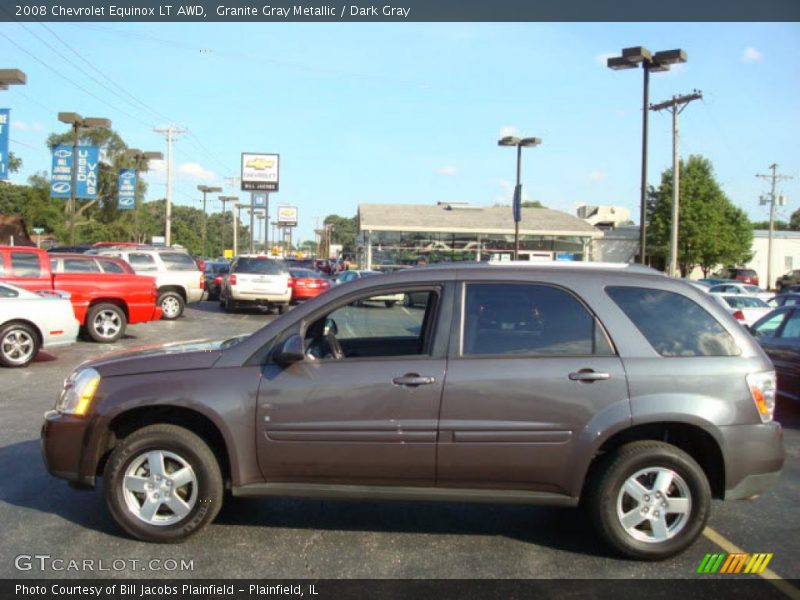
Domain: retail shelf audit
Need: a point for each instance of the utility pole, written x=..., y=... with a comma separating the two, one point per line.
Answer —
x=675, y=106
x=225, y=199
x=170, y=132
x=774, y=177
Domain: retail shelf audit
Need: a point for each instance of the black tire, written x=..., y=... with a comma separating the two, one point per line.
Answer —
x=389, y=303
x=205, y=498
x=604, y=492
x=172, y=305
x=282, y=308
x=228, y=305
x=105, y=323
x=19, y=344
x=407, y=302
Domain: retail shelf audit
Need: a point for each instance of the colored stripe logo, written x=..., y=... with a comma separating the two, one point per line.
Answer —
x=736, y=563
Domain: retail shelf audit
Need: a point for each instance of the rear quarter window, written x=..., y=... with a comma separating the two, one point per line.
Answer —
x=178, y=261
x=674, y=324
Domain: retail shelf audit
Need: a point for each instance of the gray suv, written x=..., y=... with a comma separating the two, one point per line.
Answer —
x=609, y=386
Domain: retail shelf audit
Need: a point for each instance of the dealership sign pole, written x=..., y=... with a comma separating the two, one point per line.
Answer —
x=260, y=173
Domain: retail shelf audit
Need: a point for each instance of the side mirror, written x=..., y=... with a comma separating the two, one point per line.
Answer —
x=292, y=350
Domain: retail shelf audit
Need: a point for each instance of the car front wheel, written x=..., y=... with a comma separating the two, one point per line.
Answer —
x=162, y=484
x=648, y=500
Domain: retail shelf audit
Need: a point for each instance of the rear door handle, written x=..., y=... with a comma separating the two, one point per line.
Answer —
x=413, y=380
x=589, y=375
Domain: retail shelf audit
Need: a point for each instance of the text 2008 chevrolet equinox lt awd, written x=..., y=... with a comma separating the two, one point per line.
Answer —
x=609, y=386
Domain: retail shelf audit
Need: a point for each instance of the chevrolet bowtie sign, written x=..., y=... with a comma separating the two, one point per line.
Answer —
x=260, y=172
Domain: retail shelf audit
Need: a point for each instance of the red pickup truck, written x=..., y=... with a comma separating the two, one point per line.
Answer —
x=106, y=296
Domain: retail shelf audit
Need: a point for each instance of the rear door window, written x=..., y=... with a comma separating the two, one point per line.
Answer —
x=25, y=264
x=529, y=319
x=178, y=261
x=674, y=324
x=142, y=262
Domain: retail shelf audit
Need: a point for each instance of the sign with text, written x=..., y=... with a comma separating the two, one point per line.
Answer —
x=260, y=172
x=287, y=216
x=87, y=172
x=259, y=199
x=127, y=189
x=5, y=119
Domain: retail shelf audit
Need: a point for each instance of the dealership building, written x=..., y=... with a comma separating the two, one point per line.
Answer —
x=401, y=234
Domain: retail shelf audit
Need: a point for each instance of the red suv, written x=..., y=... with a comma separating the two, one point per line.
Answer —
x=740, y=274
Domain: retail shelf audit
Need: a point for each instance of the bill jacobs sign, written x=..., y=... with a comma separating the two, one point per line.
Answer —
x=260, y=172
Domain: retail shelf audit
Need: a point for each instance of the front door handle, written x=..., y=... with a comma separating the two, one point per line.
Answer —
x=413, y=380
x=588, y=375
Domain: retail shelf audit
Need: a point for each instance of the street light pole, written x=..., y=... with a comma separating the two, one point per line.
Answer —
x=511, y=140
x=206, y=189
x=77, y=123
x=139, y=156
x=660, y=61
x=225, y=199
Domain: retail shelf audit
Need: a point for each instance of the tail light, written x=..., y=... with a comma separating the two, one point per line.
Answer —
x=218, y=280
x=739, y=315
x=232, y=279
x=202, y=281
x=762, y=390
x=290, y=282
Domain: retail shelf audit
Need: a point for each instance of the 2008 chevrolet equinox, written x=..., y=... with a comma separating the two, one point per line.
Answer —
x=609, y=386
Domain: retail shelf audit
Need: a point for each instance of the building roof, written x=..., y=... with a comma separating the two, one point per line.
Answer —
x=460, y=218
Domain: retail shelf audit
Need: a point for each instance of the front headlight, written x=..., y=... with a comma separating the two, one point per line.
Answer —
x=78, y=392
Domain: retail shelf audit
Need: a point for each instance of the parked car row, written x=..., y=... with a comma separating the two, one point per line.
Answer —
x=108, y=288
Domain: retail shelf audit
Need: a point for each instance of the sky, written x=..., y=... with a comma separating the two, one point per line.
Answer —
x=411, y=112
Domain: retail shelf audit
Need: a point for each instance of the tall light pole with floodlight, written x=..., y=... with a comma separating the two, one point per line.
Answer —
x=206, y=189
x=77, y=123
x=660, y=61
x=520, y=143
x=224, y=200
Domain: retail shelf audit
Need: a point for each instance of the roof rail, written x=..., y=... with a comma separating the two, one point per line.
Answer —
x=522, y=264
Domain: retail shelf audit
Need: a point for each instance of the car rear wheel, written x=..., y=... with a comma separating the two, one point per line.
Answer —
x=229, y=305
x=171, y=304
x=18, y=345
x=162, y=484
x=648, y=500
x=389, y=303
x=105, y=323
x=282, y=308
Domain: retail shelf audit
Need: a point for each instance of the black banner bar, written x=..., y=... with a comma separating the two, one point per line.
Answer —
x=399, y=10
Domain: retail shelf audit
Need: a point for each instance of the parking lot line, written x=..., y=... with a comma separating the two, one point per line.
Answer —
x=768, y=574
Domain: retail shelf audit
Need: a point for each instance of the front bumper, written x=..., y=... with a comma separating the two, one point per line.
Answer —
x=754, y=457
x=63, y=439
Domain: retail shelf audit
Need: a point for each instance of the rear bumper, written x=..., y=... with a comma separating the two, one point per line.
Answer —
x=194, y=295
x=754, y=457
x=238, y=295
x=144, y=313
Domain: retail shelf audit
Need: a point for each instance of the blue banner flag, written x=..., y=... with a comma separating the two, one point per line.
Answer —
x=61, y=172
x=87, y=172
x=5, y=122
x=127, y=189
x=517, y=203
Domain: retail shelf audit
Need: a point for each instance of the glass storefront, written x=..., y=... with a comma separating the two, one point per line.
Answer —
x=393, y=248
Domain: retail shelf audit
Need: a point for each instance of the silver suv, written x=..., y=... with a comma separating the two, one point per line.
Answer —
x=256, y=280
x=178, y=278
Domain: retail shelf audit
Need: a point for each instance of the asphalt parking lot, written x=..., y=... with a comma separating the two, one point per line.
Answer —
x=287, y=538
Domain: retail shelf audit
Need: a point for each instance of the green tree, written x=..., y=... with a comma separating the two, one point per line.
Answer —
x=778, y=225
x=712, y=230
x=14, y=163
x=345, y=231
x=532, y=204
x=794, y=221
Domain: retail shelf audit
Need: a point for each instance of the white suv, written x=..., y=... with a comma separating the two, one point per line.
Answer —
x=256, y=279
x=178, y=278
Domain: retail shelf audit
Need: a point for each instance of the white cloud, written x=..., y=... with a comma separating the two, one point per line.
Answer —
x=197, y=171
x=598, y=176
x=157, y=166
x=21, y=125
x=37, y=127
x=448, y=170
x=507, y=130
x=602, y=59
x=751, y=55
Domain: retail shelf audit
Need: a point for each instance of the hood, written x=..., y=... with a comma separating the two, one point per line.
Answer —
x=177, y=356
